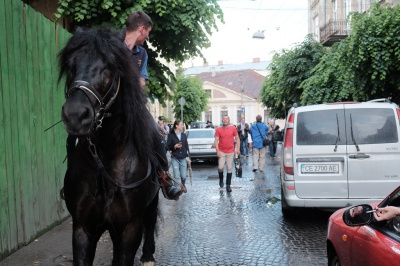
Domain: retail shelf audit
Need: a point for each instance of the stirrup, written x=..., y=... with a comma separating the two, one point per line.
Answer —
x=165, y=184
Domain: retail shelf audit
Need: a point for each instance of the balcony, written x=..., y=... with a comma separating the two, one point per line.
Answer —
x=334, y=31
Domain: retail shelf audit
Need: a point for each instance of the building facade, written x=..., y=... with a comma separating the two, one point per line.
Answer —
x=328, y=20
x=234, y=93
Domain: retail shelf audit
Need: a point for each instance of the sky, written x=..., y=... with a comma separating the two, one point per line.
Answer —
x=284, y=22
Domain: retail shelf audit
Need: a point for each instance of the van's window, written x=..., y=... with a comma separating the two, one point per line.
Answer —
x=321, y=128
x=371, y=126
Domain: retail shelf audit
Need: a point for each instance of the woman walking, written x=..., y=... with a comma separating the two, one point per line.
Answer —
x=179, y=147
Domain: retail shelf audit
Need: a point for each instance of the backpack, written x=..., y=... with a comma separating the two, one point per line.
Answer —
x=277, y=135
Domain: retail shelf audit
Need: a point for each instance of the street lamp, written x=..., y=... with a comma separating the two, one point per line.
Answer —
x=259, y=35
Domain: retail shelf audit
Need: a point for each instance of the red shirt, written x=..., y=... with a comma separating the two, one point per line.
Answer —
x=226, y=136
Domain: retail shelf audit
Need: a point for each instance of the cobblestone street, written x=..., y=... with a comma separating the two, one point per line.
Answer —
x=208, y=226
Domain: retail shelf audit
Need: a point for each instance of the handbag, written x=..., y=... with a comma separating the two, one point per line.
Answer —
x=266, y=141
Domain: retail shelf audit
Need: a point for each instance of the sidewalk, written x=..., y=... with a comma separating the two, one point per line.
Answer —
x=55, y=248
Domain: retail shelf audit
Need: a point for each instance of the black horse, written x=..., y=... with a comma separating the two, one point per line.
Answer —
x=111, y=181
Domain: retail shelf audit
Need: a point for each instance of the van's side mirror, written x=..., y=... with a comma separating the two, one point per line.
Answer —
x=358, y=215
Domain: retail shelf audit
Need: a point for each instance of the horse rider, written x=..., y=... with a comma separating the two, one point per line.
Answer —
x=138, y=27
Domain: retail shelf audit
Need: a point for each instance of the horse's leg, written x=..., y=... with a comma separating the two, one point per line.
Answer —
x=126, y=244
x=83, y=245
x=150, y=219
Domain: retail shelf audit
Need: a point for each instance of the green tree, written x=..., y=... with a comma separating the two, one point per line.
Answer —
x=179, y=32
x=364, y=66
x=196, y=98
x=286, y=72
x=331, y=79
x=374, y=53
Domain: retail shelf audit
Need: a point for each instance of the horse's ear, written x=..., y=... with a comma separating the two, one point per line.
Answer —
x=121, y=34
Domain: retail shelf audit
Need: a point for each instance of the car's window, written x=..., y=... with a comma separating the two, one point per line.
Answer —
x=371, y=126
x=200, y=134
x=321, y=127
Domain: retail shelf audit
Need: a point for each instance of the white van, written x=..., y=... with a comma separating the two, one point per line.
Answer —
x=340, y=154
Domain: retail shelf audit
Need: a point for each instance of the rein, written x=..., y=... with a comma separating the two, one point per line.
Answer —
x=100, y=165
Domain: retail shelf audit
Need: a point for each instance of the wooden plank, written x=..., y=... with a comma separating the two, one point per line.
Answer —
x=46, y=120
x=61, y=36
x=8, y=69
x=38, y=128
x=5, y=242
x=16, y=110
x=24, y=136
x=31, y=75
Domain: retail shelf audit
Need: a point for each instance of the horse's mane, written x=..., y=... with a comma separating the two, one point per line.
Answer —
x=136, y=125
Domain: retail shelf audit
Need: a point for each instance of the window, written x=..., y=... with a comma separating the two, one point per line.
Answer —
x=266, y=116
x=223, y=113
x=239, y=115
x=334, y=10
x=321, y=128
x=371, y=126
x=209, y=93
x=208, y=116
x=316, y=28
x=347, y=11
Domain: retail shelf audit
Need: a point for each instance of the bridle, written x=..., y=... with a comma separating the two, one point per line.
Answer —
x=100, y=111
x=100, y=108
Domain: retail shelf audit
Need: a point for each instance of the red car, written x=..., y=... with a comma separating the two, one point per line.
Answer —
x=354, y=237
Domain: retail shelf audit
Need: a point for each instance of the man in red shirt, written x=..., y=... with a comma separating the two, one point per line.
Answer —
x=225, y=147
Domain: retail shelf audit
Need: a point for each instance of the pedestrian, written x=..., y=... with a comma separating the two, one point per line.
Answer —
x=272, y=129
x=178, y=146
x=137, y=30
x=250, y=141
x=167, y=130
x=209, y=125
x=224, y=144
x=243, y=131
x=258, y=132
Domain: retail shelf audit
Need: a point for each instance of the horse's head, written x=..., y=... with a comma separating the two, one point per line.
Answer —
x=92, y=79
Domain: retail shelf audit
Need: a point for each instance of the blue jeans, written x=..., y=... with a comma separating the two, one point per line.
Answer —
x=179, y=166
x=272, y=148
x=244, y=146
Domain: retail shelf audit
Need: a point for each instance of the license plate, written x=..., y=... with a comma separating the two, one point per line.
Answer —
x=319, y=168
x=199, y=146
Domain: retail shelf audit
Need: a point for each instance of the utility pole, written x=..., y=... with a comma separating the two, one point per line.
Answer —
x=182, y=102
x=241, y=92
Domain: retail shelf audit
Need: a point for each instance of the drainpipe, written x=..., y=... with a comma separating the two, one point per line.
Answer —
x=324, y=12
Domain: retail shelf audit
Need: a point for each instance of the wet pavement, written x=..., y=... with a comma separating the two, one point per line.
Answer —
x=208, y=226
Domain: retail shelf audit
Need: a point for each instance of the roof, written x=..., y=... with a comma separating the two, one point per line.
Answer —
x=227, y=67
x=252, y=81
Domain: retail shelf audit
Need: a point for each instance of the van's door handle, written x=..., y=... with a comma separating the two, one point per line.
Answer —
x=359, y=156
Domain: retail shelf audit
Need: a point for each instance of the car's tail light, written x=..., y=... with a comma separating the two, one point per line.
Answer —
x=288, y=147
x=398, y=114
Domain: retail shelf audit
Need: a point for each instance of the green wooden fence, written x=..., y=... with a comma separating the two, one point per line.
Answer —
x=31, y=160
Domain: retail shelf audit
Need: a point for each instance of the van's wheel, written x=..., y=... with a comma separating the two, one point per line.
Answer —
x=287, y=211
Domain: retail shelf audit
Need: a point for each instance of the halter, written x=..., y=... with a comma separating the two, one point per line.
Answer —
x=88, y=89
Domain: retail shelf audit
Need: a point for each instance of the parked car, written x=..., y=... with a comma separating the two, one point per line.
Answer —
x=340, y=154
x=200, y=124
x=355, y=238
x=201, y=143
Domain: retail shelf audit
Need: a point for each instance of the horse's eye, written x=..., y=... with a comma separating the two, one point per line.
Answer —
x=107, y=78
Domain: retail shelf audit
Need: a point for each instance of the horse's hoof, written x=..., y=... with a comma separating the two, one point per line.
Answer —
x=148, y=263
